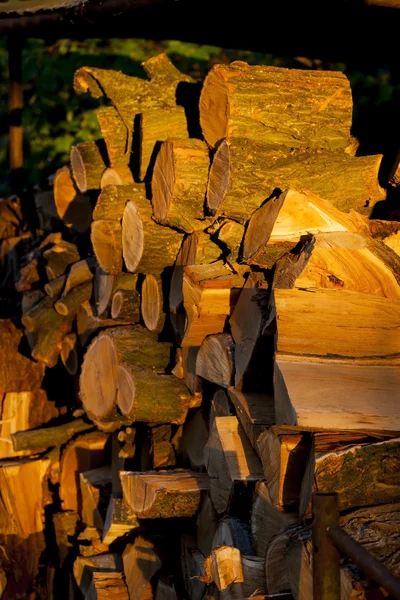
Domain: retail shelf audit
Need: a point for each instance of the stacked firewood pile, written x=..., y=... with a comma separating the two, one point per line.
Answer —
x=208, y=333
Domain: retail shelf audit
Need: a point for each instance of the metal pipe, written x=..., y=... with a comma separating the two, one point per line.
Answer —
x=326, y=557
x=363, y=559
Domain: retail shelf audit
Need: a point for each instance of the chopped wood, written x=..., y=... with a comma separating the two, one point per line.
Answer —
x=216, y=359
x=69, y=353
x=255, y=412
x=394, y=176
x=107, y=585
x=18, y=373
x=65, y=524
x=121, y=175
x=234, y=532
x=165, y=590
x=69, y=304
x=95, y=488
x=151, y=303
x=59, y=257
x=119, y=521
x=84, y=568
x=224, y=567
x=193, y=440
x=114, y=133
x=192, y=564
x=105, y=286
x=230, y=461
x=87, y=165
x=73, y=208
x=207, y=524
x=106, y=237
x=126, y=306
x=164, y=494
x=141, y=563
x=231, y=234
x=220, y=406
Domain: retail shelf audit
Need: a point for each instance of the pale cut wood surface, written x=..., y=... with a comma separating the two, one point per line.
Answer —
x=255, y=412
x=141, y=563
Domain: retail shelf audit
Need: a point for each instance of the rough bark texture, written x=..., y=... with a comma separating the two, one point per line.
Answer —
x=111, y=202
x=69, y=304
x=87, y=165
x=73, y=208
x=18, y=373
x=59, y=257
x=277, y=106
x=114, y=133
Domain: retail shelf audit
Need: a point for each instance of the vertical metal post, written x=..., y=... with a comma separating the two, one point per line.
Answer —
x=15, y=104
x=326, y=558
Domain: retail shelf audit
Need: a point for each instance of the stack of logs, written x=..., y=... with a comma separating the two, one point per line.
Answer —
x=225, y=343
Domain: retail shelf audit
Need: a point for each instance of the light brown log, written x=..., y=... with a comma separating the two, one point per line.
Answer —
x=207, y=524
x=245, y=174
x=281, y=106
x=192, y=565
x=126, y=306
x=224, y=567
x=17, y=373
x=231, y=234
x=120, y=175
x=54, y=287
x=107, y=585
x=230, y=461
x=105, y=286
x=284, y=459
x=87, y=165
x=266, y=520
x=342, y=261
x=276, y=568
x=82, y=454
x=69, y=304
x=364, y=475
x=95, y=488
x=59, y=257
x=124, y=367
x=256, y=412
x=73, y=208
x=106, y=237
x=179, y=184
x=164, y=494
x=141, y=563
x=84, y=568
x=151, y=303
x=87, y=323
x=197, y=248
x=216, y=359
x=147, y=247
x=114, y=133
x=111, y=202
x=119, y=521
x=210, y=293
x=363, y=397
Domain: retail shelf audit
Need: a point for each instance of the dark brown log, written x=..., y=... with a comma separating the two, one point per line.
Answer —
x=141, y=563
x=216, y=359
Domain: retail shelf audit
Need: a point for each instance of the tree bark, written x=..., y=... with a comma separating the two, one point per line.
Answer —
x=69, y=304
x=87, y=165
x=59, y=257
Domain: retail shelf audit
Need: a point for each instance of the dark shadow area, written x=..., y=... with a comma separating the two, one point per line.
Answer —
x=188, y=96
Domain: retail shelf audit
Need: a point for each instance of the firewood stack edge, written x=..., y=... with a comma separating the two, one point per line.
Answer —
x=205, y=331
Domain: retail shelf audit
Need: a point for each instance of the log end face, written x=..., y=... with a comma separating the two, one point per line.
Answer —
x=150, y=303
x=78, y=169
x=132, y=237
x=219, y=177
x=126, y=391
x=214, y=108
x=163, y=181
x=97, y=381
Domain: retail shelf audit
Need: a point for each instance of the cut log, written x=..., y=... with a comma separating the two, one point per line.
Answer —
x=192, y=564
x=86, y=452
x=356, y=326
x=224, y=567
x=305, y=396
x=95, y=490
x=244, y=174
x=220, y=406
x=157, y=450
x=126, y=306
x=394, y=176
x=119, y=521
x=106, y=237
x=84, y=568
x=363, y=475
x=147, y=247
x=234, y=532
x=125, y=367
x=87, y=165
x=179, y=184
x=151, y=304
x=54, y=287
x=207, y=524
x=65, y=524
x=59, y=257
x=80, y=272
x=230, y=461
x=256, y=412
x=193, y=440
x=266, y=520
x=216, y=359
x=22, y=521
x=281, y=106
x=342, y=261
x=197, y=248
x=17, y=373
x=20, y=412
x=46, y=437
x=107, y=585
x=111, y=202
x=28, y=275
x=164, y=494
x=284, y=459
x=210, y=293
x=141, y=563
x=121, y=175
x=231, y=234
x=73, y=208
x=105, y=286
x=69, y=304
x=114, y=133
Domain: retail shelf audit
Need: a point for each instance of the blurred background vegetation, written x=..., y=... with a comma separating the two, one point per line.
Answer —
x=54, y=117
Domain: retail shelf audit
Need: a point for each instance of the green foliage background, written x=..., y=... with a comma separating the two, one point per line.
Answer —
x=54, y=117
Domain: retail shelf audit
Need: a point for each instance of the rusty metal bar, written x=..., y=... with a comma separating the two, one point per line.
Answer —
x=326, y=557
x=363, y=559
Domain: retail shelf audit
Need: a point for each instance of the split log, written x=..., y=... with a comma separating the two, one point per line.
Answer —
x=65, y=524
x=197, y=248
x=193, y=440
x=364, y=475
x=59, y=257
x=121, y=175
x=84, y=568
x=106, y=237
x=236, y=533
x=220, y=406
x=216, y=359
x=281, y=106
x=119, y=521
x=114, y=132
x=284, y=459
x=342, y=261
x=256, y=412
x=230, y=461
x=11, y=218
x=356, y=326
x=157, y=450
x=210, y=293
x=266, y=520
x=87, y=165
x=164, y=494
x=107, y=585
x=126, y=305
x=132, y=366
x=24, y=494
x=179, y=184
x=147, y=247
x=305, y=397
x=111, y=202
x=95, y=490
x=69, y=304
x=105, y=286
x=231, y=234
x=224, y=567
x=192, y=565
x=207, y=524
x=276, y=568
x=141, y=563
x=73, y=208
x=20, y=412
x=192, y=381
x=244, y=174
x=393, y=241
x=80, y=272
x=151, y=304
